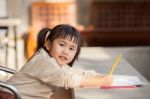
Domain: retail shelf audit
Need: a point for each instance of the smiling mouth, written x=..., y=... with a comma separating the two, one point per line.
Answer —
x=63, y=58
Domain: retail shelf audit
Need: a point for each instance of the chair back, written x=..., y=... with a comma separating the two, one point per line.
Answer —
x=14, y=93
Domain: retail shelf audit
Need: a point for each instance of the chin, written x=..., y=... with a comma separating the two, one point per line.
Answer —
x=60, y=63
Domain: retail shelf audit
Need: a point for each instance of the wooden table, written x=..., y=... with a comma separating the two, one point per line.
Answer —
x=102, y=66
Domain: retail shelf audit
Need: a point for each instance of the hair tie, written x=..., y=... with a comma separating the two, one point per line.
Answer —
x=47, y=34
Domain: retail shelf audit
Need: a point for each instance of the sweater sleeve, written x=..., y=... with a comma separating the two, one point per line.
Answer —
x=46, y=70
x=49, y=72
x=82, y=72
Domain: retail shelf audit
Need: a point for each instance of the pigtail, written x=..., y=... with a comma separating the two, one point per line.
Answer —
x=41, y=38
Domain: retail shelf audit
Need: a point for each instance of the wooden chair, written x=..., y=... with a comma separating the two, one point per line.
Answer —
x=59, y=93
x=13, y=92
x=62, y=93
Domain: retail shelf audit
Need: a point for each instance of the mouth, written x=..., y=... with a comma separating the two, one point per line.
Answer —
x=63, y=58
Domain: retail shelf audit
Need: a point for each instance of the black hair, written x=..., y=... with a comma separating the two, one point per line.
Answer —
x=60, y=31
x=41, y=38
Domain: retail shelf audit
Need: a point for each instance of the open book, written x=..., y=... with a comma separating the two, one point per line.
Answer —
x=125, y=81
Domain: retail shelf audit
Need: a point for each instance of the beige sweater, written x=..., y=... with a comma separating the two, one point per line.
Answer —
x=40, y=77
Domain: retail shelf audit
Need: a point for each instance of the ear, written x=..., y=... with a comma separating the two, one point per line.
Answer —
x=47, y=44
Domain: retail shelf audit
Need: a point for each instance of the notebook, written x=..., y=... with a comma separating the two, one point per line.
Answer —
x=125, y=81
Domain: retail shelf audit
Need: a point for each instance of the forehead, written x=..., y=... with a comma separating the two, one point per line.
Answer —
x=67, y=40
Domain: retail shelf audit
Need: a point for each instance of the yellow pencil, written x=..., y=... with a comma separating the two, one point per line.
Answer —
x=115, y=64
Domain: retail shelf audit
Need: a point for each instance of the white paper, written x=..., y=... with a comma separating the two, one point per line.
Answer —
x=125, y=80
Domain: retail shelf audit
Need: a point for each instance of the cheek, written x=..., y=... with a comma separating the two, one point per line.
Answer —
x=72, y=55
x=55, y=51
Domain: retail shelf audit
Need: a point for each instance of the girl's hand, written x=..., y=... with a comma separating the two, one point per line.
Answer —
x=108, y=80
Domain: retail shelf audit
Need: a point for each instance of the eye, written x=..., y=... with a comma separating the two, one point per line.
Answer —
x=61, y=44
x=72, y=49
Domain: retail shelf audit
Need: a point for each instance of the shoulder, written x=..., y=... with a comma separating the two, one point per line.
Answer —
x=42, y=56
x=41, y=60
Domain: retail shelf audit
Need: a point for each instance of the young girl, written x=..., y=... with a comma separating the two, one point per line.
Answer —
x=50, y=66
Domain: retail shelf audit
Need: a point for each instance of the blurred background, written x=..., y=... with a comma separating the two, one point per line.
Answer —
x=116, y=26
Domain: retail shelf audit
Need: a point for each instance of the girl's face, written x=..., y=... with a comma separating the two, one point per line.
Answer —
x=63, y=50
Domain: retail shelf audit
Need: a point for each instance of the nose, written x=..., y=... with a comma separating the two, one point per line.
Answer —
x=66, y=51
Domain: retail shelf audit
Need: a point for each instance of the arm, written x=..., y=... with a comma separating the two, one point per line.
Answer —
x=98, y=81
x=53, y=74
x=92, y=79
